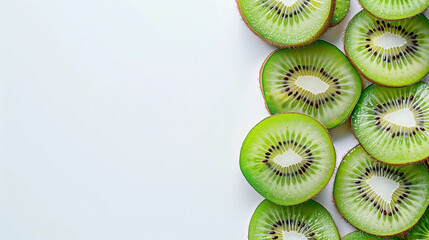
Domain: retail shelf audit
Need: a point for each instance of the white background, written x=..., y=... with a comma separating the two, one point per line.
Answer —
x=124, y=119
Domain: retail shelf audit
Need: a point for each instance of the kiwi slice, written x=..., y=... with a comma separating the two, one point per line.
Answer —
x=392, y=53
x=393, y=9
x=358, y=235
x=426, y=164
x=288, y=158
x=392, y=123
x=341, y=9
x=377, y=198
x=287, y=22
x=308, y=220
x=402, y=236
x=421, y=230
x=315, y=80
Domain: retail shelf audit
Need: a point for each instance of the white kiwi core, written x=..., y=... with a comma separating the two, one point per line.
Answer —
x=293, y=236
x=402, y=117
x=287, y=159
x=312, y=84
x=389, y=40
x=288, y=3
x=384, y=187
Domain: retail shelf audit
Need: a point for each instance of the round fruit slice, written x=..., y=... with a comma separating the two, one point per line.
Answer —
x=287, y=22
x=392, y=53
x=365, y=236
x=288, y=158
x=393, y=9
x=377, y=198
x=315, y=80
x=309, y=220
x=421, y=230
x=392, y=123
x=341, y=9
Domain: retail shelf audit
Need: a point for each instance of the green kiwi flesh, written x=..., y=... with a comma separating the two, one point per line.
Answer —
x=341, y=10
x=316, y=80
x=377, y=198
x=426, y=164
x=402, y=236
x=392, y=123
x=421, y=230
x=358, y=235
x=288, y=158
x=365, y=82
x=393, y=9
x=308, y=220
x=287, y=22
x=394, y=53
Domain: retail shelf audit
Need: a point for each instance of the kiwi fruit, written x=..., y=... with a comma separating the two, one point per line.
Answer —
x=377, y=198
x=287, y=23
x=393, y=9
x=365, y=82
x=402, y=236
x=426, y=164
x=392, y=123
x=341, y=10
x=306, y=221
x=421, y=230
x=389, y=53
x=358, y=235
x=316, y=80
x=288, y=158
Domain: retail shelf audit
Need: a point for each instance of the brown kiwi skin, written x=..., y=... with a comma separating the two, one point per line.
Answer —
x=342, y=216
x=330, y=137
x=390, y=20
x=326, y=25
x=365, y=76
x=265, y=102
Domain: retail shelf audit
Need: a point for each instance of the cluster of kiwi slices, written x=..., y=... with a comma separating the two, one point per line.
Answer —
x=381, y=186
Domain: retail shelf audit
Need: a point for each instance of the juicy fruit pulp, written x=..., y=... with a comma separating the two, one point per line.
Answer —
x=394, y=53
x=341, y=9
x=365, y=236
x=308, y=220
x=392, y=123
x=316, y=80
x=287, y=22
x=421, y=230
x=393, y=9
x=288, y=158
x=377, y=198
